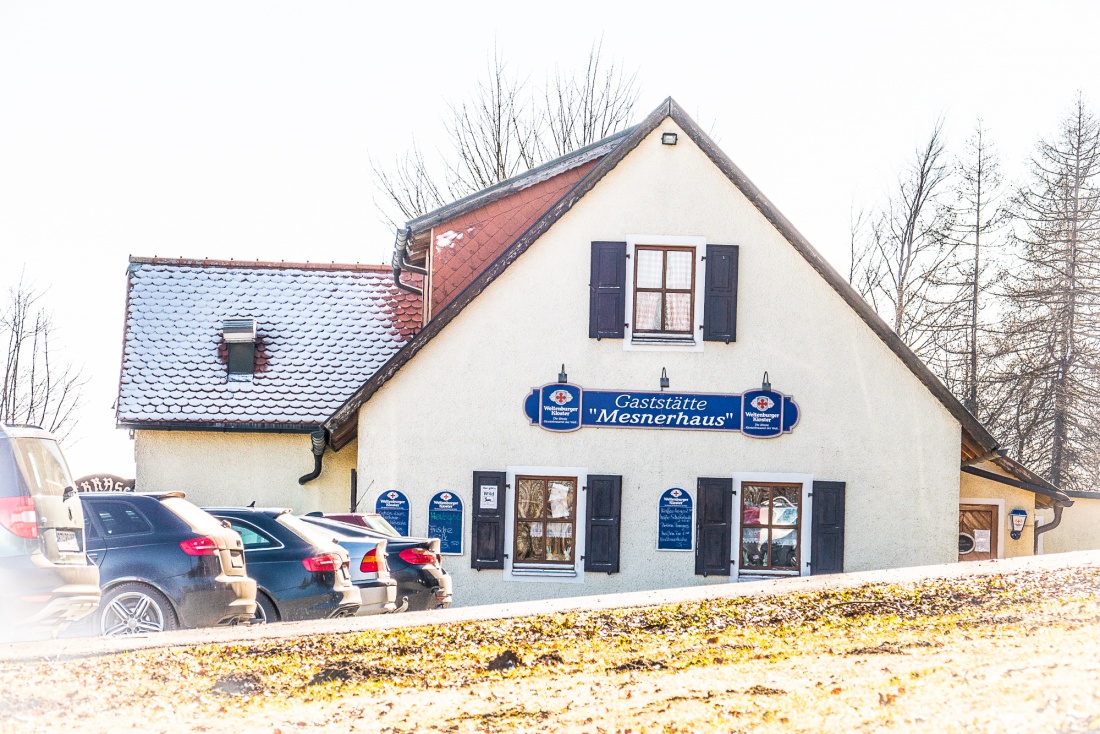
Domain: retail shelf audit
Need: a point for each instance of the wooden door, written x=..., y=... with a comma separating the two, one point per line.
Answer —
x=978, y=531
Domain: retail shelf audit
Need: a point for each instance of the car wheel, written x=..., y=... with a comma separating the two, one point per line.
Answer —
x=265, y=610
x=134, y=609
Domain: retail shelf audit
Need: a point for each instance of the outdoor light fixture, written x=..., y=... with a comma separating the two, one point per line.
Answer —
x=766, y=385
x=1017, y=518
x=562, y=377
x=668, y=138
x=664, y=378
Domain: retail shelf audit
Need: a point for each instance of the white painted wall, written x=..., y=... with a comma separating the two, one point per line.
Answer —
x=1079, y=529
x=224, y=468
x=866, y=420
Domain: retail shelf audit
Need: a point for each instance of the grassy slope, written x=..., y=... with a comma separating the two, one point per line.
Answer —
x=995, y=653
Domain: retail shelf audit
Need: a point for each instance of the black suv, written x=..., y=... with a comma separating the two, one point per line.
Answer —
x=164, y=564
x=45, y=578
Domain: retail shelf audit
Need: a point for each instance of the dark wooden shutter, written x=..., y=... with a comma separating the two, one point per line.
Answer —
x=714, y=523
x=720, y=296
x=607, y=291
x=827, y=528
x=488, y=530
x=603, y=513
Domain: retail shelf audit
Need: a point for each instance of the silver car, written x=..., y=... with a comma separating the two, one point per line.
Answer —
x=370, y=571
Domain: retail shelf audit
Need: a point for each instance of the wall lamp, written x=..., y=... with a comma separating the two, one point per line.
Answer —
x=664, y=378
x=562, y=377
x=668, y=138
x=1018, y=518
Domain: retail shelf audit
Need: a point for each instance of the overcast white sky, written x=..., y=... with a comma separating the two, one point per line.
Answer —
x=243, y=129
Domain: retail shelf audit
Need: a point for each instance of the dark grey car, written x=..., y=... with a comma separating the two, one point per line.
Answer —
x=45, y=577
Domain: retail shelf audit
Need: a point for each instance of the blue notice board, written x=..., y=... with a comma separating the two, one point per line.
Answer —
x=393, y=506
x=674, y=526
x=445, y=522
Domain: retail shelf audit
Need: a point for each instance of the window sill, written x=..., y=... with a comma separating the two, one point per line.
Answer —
x=545, y=572
x=684, y=341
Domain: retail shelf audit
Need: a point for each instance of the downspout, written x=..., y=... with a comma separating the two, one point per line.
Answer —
x=1040, y=529
x=400, y=263
x=318, y=440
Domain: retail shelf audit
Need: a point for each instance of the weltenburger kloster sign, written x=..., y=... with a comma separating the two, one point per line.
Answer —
x=566, y=407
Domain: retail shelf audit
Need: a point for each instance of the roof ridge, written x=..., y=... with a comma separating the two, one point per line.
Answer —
x=259, y=264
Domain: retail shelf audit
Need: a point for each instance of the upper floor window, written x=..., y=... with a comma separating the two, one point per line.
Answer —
x=664, y=291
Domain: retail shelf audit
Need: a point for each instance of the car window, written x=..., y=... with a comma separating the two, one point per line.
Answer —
x=120, y=518
x=309, y=533
x=41, y=466
x=252, y=537
x=379, y=523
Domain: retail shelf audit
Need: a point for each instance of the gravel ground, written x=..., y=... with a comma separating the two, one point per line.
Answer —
x=1018, y=651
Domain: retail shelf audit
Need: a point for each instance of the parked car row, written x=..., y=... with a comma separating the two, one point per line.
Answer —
x=136, y=563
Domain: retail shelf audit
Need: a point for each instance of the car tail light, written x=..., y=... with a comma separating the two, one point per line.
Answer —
x=17, y=515
x=418, y=557
x=201, y=546
x=370, y=562
x=319, y=564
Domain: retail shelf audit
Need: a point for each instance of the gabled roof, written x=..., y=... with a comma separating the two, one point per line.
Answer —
x=322, y=330
x=976, y=439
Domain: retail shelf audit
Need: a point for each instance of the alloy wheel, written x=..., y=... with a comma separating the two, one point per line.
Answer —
x=131, y=613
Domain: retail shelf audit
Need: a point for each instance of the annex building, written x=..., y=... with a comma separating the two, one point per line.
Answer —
x=622, y=370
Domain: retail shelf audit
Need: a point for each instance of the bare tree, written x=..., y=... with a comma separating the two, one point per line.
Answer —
x=408, y=186
x=965, y=293
x=495, y=134
x=586, y=107
x=1048, y=383
x=38, y=388
x=906, y=252
x=505, y=128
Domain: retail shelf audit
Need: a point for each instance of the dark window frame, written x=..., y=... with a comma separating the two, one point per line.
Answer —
x=663, y=290
x=545, y=520
x=770, y=526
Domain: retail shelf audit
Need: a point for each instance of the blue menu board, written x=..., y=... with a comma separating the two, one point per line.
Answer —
x=445, y=522
x=393, y=506
x=674, y=527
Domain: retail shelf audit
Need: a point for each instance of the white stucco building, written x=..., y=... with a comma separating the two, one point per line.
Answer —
x=622, y=370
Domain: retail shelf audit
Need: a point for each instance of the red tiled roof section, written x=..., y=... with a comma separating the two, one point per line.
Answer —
x=467, y=244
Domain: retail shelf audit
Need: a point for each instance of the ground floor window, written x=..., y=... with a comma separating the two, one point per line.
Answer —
x=771, y=521
x=545, y=520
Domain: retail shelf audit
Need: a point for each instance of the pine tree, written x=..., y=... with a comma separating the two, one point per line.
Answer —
x=1046, y=403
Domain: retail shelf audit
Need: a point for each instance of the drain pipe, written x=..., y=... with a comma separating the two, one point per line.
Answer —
x=1047, y=527
x=317, y=439
x=400, y=262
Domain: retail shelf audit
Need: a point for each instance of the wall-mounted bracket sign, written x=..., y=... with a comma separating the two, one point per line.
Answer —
x=756, y=413
x=393, y=506
x=445, y=522
x=674, y=526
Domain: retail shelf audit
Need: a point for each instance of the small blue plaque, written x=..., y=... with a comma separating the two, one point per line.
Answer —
x=674, y=527
x=445, y=522
x=393, y=506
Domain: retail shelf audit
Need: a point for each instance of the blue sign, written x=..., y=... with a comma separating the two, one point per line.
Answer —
x=393, y=506
x=564, y=407
x=445, y=522
x=674, y=526
x=763, y=414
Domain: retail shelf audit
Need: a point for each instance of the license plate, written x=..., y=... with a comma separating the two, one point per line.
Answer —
x=66, y=541
x=236, y=560
x=344, y=573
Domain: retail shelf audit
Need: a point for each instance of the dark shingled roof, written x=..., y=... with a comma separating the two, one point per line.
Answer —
x=322, y=330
